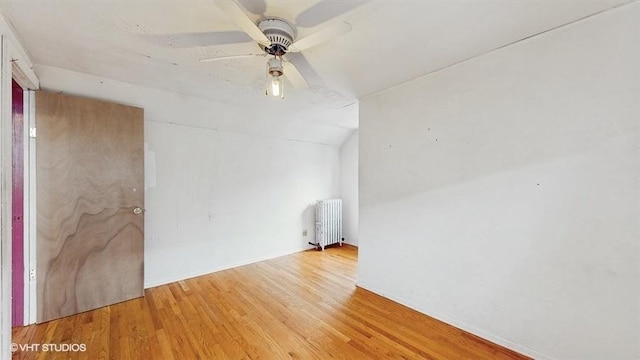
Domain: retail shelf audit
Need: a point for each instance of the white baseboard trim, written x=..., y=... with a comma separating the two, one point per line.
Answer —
x=346, y=241
x=460, y=325
x=206, y=271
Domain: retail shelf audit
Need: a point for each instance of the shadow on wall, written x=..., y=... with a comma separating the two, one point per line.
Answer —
x=309, y=223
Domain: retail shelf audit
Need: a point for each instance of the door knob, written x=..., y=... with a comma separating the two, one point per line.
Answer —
x=137, y=210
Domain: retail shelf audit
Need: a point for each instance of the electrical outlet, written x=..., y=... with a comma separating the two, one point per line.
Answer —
x=304, y=232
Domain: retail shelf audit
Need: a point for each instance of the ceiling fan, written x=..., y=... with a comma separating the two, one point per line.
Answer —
x=277, y=37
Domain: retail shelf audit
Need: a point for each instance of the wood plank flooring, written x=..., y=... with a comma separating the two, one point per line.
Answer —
x=301, y=306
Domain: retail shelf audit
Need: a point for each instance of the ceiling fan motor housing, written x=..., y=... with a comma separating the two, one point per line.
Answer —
x=279, y=32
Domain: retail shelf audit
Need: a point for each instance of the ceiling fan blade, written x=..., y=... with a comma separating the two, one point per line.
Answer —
x=237, y=14
x=230, y=57
x=321, y=36
x=293, y=75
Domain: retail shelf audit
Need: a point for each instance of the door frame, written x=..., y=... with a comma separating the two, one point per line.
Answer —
x=14, y=63
x=29, y=206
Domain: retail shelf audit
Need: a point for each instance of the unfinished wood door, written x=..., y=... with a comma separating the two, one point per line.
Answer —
x=90, y=193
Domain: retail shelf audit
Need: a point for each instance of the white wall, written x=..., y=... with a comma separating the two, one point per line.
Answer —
x=501, y=194
x=214, y=199
x=349, y=189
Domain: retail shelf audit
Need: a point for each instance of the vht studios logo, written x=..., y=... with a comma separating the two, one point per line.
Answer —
x=48, y=347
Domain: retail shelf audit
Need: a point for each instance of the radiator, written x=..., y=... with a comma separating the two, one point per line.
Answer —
x=328, y=222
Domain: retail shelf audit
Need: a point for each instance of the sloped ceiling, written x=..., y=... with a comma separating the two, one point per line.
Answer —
x=159, y=43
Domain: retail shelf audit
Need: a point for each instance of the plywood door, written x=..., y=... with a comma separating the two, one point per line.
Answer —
x=90, y=185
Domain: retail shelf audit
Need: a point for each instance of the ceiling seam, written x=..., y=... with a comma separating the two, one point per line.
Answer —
x=613, y=8
x=240, y=133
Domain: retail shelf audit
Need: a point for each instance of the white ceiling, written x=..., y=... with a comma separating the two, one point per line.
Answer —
x=157, y=43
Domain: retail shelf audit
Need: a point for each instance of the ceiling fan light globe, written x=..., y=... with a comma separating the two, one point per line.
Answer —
x=275, y=87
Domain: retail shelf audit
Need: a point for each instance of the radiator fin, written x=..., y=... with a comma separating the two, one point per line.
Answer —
x=328, y=222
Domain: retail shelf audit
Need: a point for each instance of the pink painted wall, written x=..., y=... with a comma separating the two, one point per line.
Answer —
x=17, y=283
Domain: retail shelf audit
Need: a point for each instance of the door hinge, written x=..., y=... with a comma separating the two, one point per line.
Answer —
x=32, y=274
x=32, y=132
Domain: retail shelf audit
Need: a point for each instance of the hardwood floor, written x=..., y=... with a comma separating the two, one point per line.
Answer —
x=301, y=306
